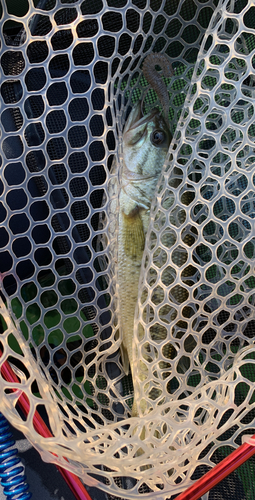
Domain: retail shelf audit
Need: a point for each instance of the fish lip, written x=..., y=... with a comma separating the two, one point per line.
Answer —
x=143, y=119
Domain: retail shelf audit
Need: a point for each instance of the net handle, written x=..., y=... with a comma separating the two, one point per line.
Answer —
x=219, y=472
x=71, y=479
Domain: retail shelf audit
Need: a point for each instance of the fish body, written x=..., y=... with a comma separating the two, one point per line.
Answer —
x=145, y=144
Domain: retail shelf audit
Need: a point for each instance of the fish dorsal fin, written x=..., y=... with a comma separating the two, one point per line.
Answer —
x=134, y=238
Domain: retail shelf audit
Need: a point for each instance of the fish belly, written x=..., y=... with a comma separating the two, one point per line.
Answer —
x=133, y=225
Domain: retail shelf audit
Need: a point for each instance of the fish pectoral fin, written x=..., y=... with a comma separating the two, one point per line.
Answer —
x=134, y=238
x=125, y=359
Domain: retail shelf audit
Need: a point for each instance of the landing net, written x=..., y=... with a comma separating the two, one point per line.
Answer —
x=71, y=72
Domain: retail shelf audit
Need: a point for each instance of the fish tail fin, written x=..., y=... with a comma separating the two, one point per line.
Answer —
x=125, y=359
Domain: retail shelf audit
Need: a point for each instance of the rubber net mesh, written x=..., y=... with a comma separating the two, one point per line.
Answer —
x=70, y=73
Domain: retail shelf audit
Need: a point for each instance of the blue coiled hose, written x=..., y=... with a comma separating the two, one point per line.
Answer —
x=11, y=469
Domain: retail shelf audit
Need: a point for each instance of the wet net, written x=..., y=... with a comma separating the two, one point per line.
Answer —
x=71, y=72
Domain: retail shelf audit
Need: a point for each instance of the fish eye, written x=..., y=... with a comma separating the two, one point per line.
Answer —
x=158, y=137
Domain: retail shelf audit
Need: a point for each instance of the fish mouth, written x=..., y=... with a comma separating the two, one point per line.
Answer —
x=139, y=119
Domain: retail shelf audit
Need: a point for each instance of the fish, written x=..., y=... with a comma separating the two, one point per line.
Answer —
x=146, y=141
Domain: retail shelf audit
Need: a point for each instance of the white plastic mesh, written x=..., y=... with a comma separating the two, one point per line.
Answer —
x=69, y=75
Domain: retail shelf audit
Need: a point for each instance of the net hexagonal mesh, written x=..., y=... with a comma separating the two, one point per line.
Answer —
x=71, y=73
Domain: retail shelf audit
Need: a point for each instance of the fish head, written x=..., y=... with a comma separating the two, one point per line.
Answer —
x=146, y=140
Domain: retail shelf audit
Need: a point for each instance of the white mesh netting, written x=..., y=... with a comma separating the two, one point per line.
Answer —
x=71, y=71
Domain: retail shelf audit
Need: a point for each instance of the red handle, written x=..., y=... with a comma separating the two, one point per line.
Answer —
x=195, y=491
x=218, y=473
x=73, y=481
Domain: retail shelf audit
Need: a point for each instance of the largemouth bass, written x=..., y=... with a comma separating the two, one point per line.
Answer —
x=145, y=144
